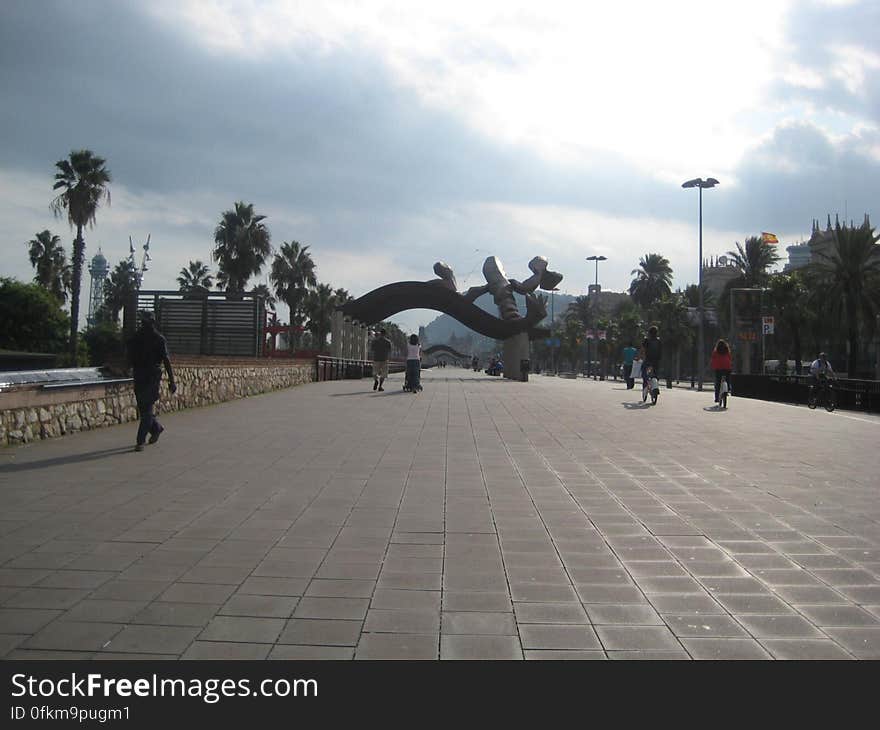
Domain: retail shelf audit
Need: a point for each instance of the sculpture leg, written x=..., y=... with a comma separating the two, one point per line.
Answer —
x=516, y=348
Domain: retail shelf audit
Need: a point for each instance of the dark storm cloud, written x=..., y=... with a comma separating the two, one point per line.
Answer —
x=313, y=130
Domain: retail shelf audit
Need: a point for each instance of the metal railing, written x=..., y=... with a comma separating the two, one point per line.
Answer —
x=852, y=394
x=339, y=368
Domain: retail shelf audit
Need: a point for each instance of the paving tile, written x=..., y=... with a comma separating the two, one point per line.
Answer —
x=274, y=586
x=864, y=643
x=687, y=604
x=292, y=652
x=800, y=649
x=395, y=598
x=398, y=646
x=637, y=638
x=550, y=613
x=632, y=615
x=332, y=608
x=725, y=649
x=320, y=632
x=480, y=647
x=196, y=593
x=341, y=588
x=102, y=610
x=243, y=604
x=475, y=623
x=243, y=628
x=649, y=655
x=130, y=590
x=153, y=639
x=25, y=620
x=704, y=626
x=176, y=614
x=73, y=636
x=839, y=616
x=226, y=650
x=46, y=598
x=402, y=621
x=754, y=604
x=548, y=636
x=563, y=655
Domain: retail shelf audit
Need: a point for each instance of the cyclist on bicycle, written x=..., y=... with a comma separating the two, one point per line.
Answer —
x=821, y=370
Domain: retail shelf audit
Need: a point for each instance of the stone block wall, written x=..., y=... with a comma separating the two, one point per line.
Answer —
x=28, y=413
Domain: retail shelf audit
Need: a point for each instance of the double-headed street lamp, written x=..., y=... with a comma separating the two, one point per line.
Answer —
x=597, y=259
x=698, y=182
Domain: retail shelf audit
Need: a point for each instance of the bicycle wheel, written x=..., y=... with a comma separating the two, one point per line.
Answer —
x=811, y=399
x=830, y=401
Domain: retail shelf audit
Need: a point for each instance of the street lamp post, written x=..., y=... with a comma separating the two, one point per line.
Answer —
x=597, y=259
x=698, y=182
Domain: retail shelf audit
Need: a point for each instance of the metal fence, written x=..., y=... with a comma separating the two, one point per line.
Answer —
x=208, y=324
x=338, y=368
x=852, y=394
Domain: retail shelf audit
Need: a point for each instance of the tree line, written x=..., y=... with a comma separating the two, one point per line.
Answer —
x=242, y=248
x=831, y=304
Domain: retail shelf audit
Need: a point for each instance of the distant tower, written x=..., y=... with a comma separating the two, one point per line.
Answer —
x=99, y=268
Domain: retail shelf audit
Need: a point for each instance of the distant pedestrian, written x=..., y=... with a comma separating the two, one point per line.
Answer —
x=652, y=351
x=475, y=363
x=381, y=350
x=722, y=363
x=629, y=354
x=147, y=352
x=413, y=364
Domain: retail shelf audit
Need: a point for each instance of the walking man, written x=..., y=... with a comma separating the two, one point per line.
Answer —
x=381, y=350
x=629, y=354
x=147, y=352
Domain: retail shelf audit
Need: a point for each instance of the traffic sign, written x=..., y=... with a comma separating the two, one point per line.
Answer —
x=768, y=327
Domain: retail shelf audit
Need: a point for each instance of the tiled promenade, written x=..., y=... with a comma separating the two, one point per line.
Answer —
x=480, y=519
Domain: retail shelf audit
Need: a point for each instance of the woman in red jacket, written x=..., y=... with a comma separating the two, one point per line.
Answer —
x=722, y=364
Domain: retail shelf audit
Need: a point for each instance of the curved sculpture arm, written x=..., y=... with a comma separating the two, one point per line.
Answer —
x=388, y=300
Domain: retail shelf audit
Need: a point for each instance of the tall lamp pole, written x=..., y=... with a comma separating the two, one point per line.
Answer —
x=597, y=259
x=698, y=182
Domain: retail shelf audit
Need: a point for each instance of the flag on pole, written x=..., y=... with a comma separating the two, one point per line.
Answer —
x=769, y=237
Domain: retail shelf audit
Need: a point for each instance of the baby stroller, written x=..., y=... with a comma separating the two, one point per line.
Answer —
x=416, y=385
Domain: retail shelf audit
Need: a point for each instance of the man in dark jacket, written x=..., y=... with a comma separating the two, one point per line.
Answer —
x=147, y=352
x=381, y=350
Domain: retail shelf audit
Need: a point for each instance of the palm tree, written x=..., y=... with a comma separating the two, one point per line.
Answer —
x=342, y=296
x=269, y=300
x=653, y=280
x=293, y=274
x=84, y=181
x=851, y=277
x=754, y=261
x=319, y=306
x=195, y=278
x=241, y=246
x=671, y=315
x=789, y=298
x=119, y=287
x=52, y=270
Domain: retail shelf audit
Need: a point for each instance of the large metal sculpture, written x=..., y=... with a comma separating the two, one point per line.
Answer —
x=441, y=294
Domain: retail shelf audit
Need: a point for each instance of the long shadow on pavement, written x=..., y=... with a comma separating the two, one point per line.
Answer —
x=62, y=460
x=635, y=406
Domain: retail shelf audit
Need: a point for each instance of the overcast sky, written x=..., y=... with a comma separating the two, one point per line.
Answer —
x=386, y=135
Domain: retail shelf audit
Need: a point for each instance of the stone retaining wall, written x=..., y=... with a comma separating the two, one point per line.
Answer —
x=30, y=412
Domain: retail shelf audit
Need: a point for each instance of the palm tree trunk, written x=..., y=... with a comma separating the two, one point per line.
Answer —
x=852, y=336
x=79, y=246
